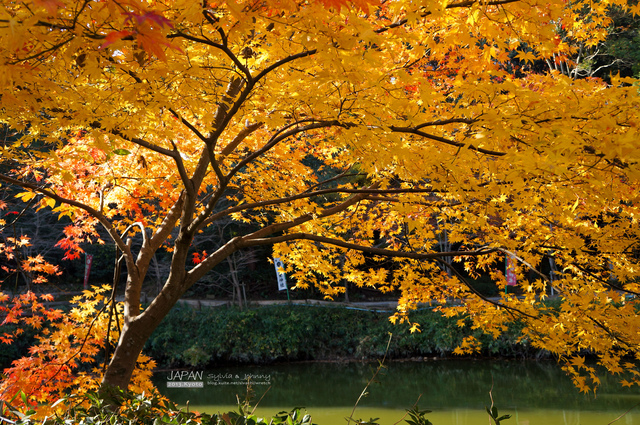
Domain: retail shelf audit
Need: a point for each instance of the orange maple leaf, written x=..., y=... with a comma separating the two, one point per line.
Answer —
x=347, y=4
x=51, y=6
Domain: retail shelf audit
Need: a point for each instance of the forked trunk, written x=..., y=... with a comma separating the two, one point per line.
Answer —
x=135, y=333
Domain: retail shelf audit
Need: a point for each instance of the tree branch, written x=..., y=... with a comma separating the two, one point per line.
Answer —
x=167, y=225
x=188, y=125
x=239, y=138
x=219, y=46
x=383, y=252
x=303, y=195
x=468, y=3
x=91, y=211
x=417, y=132
x=145, y=144
x=446, y=121
x=281, y=62
x=203, y=218
x=482, y=297
x=279, y=138
x=327, y=212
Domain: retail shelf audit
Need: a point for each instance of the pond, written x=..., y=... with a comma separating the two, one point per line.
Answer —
x=456, y=391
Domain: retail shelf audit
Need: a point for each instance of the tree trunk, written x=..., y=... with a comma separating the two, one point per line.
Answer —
x=136, y=331
x=125, y=356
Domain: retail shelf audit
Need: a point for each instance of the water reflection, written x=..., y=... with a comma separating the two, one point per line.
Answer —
x=453, y=388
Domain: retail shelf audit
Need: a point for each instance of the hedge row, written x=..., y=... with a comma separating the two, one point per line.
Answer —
x=208, y=337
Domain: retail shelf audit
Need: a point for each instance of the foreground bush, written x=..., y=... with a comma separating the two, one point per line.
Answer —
x=199, y=338
x=153, y=409
x=141, y=409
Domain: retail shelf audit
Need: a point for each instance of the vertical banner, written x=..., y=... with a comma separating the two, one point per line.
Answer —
x=87, y=269
x=282, y=278
x=510, y=270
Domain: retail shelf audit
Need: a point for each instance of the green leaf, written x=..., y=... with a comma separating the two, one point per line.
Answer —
x=122, y=152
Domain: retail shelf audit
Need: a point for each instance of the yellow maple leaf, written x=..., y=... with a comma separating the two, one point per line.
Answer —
x=527, y=56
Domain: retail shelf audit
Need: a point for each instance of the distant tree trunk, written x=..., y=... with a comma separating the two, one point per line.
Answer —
x=156, y=268
x=346, y=282
x=237, y=291
x=443, y=241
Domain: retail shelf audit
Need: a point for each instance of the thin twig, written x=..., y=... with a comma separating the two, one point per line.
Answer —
x=364, y=391
x=624, y=414
x=261, y=397
x=415, y=405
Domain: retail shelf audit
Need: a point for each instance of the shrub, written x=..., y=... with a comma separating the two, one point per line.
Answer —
x=121, y=407
x=200, y=338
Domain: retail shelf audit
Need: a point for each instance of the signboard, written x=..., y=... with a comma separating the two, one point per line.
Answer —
x=282, y=278
x=510, y=272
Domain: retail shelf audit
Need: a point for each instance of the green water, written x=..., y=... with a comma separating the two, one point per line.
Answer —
x=456, y=391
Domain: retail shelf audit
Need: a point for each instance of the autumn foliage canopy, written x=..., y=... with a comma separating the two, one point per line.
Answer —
x=324, y=123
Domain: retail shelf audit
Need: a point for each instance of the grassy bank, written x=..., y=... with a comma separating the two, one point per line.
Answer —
x=199, y=338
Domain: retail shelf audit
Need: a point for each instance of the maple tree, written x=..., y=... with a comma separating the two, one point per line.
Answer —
x=65, y=357
x=158, y=119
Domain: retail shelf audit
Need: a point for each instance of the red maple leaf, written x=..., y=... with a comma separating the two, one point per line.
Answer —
x=114, y=36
